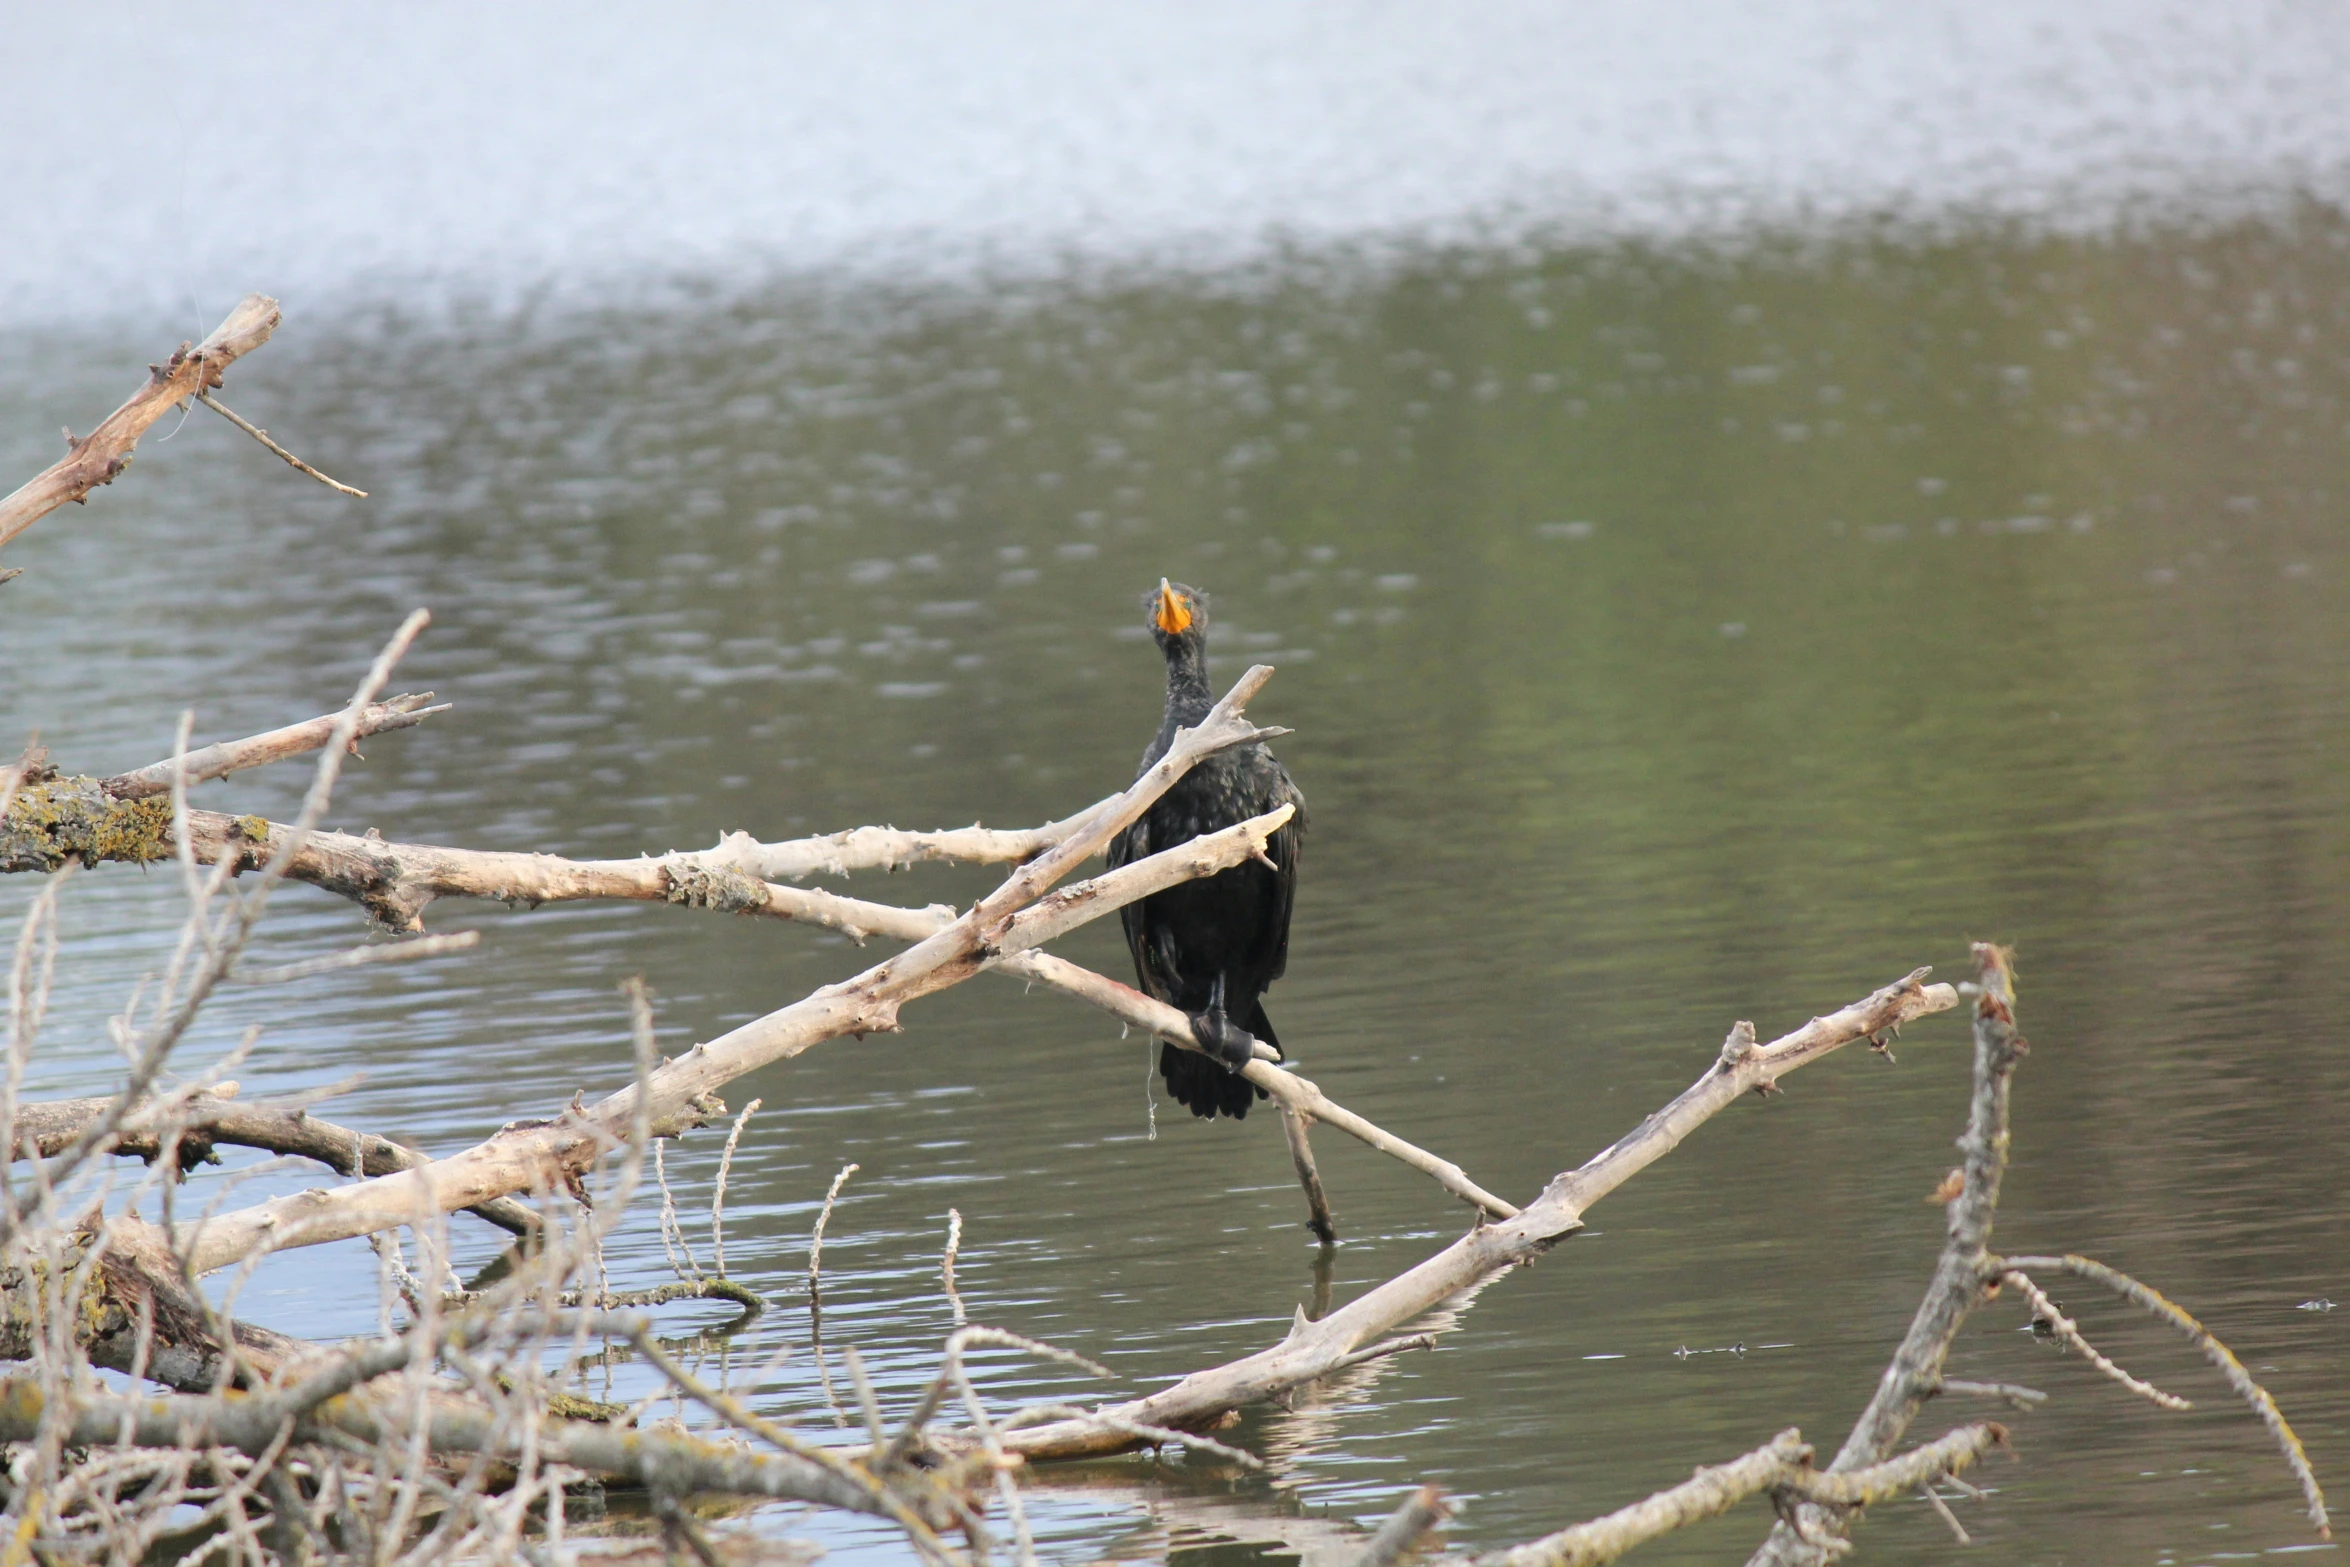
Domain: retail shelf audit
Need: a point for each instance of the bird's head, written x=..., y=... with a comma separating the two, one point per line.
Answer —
x=1178, y=617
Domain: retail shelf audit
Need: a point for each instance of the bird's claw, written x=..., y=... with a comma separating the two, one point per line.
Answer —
x=1230, y=1046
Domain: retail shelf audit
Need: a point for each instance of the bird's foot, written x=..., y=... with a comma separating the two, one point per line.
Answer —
x=1232, y=1046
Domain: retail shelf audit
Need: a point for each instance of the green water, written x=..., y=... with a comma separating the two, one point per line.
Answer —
x=1670, y=639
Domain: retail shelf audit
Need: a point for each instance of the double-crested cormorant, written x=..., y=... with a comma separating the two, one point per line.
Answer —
x=1210, y=946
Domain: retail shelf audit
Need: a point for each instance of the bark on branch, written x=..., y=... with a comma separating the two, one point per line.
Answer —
x=95, y=459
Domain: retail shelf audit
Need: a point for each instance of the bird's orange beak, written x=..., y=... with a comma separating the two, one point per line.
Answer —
x=1174, y=614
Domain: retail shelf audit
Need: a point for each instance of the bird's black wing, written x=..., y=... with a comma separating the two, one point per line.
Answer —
x=1131, y=845
x=1285, y=847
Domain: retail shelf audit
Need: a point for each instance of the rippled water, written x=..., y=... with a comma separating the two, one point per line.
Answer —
x=174, y=155
x=1670, y=638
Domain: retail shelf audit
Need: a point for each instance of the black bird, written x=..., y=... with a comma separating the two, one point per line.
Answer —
x=1210, y=947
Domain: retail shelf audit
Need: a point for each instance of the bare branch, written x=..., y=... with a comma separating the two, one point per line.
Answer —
x=1312, y=1349
x=824, y=1217
x=1309, y=1176
x=2221, y=1357
x=2048, y=1314
x=360, y=957
x=232, y=756
x=1916, y=1371
x=718, y=1189
x=261, y=435
x=526, y=1152
x=97, y=457
x=1781, y=1467
x=887, y=848
x=206, y=1120
x=1706, y=1494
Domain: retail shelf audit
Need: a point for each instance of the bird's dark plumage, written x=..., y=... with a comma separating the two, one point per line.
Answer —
x=1210, y=947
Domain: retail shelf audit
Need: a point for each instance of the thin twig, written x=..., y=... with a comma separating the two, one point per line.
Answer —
x=946, y=1267
x=1942, y=1510
x=816, y=1241
x=360, y=957
x=1301, y=1154
x=261, y=435
x=718, y=1193
x=2014, y=1394
x=2221, y=1357
x=867, y=1402
x=2047, y=1314
x=673, y=1241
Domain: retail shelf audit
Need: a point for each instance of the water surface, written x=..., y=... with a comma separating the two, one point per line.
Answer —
x=1671, y=637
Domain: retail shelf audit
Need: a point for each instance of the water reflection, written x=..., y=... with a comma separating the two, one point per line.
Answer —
x=1670, y=638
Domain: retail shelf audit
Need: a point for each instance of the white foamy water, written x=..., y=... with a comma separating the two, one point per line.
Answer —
x=167, y=158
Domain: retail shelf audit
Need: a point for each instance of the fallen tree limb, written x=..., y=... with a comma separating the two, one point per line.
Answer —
x=1915, y=1373
x=1781, y=1467
x=1968, y=1273
x=254, y=1424
x=529, y=1154
x=67, y=819
x=234, y=756
x=2222, y=1359
x=1314, y=1349
x=96, y=458
x=49, y=1127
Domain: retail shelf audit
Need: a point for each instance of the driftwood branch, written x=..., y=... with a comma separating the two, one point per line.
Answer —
x=2047, y=1315
x=206, y=1120
x=529, y=1154
x=253, y=1425
x=261, y=435
x=1781, y=1467
x=96, y=458
x=69, y=819
x=2222, y=1359
x=1915, y=1373
x=234, y=756
x=1968, y=1272
x=1314, y=1349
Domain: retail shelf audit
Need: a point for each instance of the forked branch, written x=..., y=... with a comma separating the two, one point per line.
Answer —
x=96, y=458
x=1315, y=1349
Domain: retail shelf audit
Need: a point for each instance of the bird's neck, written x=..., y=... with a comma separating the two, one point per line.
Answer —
x=1188, y=700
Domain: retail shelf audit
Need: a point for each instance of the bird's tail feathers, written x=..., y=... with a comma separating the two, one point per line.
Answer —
x=1202, y=1084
